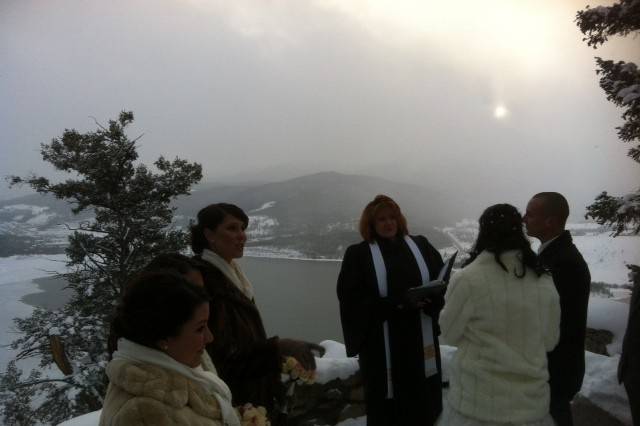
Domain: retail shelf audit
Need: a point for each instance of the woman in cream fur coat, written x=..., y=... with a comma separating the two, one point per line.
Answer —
x=503, y=313
x=156, y=376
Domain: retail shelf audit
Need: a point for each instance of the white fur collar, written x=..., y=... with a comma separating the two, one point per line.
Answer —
x=213, y=385
x=230, y=270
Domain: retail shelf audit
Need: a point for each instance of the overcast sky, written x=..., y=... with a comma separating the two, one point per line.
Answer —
x=496, y=99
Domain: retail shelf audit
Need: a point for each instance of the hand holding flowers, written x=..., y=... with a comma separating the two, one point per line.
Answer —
x=292, y=370
x=253, y=416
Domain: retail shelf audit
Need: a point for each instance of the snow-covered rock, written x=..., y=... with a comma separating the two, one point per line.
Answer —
x=601, y=387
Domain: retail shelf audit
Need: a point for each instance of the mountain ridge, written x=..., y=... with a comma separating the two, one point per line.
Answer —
x=313, y=215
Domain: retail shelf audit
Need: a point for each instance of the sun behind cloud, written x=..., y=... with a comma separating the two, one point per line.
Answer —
x=500, y=112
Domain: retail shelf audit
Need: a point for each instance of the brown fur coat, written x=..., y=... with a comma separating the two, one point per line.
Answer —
x=145, y=394
x=247, y=361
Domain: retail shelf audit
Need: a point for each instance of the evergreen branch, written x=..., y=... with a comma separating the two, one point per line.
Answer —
x=95, y=120
x=29, y=352
x=137, y=138
x=42, y=381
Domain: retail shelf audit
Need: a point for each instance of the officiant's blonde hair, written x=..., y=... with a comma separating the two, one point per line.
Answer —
x=367, y=220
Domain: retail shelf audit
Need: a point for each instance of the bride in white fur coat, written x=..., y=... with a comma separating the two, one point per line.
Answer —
x=502, y=311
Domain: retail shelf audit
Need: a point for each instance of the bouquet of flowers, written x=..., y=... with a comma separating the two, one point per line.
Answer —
x=293, y=371
x=291, y=374
x=253, y=416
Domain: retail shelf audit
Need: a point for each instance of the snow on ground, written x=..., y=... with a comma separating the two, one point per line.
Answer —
x=261, y=227
x=606, y=256
x=265, y=206
x=333, y=349
x=601, y=386
x=341, y=226
x=90, y=419
x=272, y=252
x=334, y=364
x=609, y=314
x=582, y=227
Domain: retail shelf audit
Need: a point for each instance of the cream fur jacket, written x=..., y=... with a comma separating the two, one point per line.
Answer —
x=503, y=327
x=146, y=394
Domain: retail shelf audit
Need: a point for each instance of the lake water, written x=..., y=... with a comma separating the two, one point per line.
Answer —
x=297, y=298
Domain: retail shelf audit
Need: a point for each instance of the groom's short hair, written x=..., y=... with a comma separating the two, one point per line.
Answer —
x=555, y=205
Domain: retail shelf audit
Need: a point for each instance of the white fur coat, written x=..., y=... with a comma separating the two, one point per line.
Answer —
x=503, y=327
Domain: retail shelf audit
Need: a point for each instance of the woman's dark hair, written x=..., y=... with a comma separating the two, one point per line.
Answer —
x=501, y=230
x=155, y=305
x=173, y=262
x=211, y=217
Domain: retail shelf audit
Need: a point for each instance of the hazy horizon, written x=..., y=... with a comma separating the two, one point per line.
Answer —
x=490, y=101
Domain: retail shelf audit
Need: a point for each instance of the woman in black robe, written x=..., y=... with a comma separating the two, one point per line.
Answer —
x=415, y=394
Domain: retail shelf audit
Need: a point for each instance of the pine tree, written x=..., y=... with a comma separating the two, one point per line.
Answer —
x=133, y=223
x=621, y=83
x=16, y=398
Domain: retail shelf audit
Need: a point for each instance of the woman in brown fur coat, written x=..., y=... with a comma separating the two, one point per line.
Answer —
x=245, y=358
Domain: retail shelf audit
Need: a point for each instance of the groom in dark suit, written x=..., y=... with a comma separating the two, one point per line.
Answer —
x=545, y=219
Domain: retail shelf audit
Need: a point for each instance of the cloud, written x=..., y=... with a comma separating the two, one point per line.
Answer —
x=260, y=90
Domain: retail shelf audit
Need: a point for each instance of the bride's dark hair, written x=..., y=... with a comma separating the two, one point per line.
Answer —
x=501, y=230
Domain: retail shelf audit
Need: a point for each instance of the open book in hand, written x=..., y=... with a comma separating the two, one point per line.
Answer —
x=434, y=287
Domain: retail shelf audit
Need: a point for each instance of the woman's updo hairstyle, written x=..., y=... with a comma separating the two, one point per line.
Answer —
x=211, y=217
x=501, y=230
x=156, y=305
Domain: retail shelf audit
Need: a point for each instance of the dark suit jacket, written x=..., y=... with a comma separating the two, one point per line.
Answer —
x=573, y=281
x=629, y=367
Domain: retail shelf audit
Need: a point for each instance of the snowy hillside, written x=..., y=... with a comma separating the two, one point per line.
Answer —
x=606, y=256
x=313, y=216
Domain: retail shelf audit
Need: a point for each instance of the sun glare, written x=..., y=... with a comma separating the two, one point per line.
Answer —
x=500, y=112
